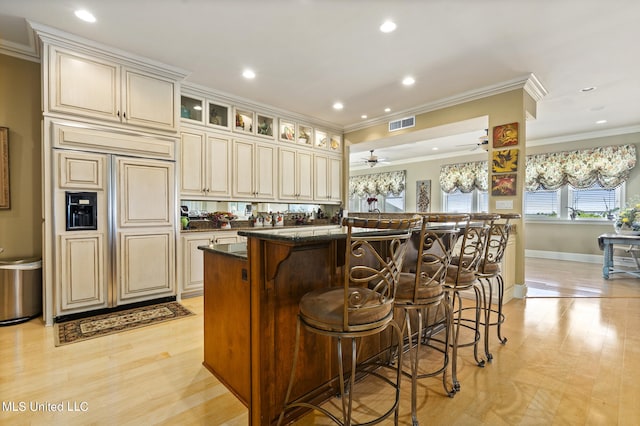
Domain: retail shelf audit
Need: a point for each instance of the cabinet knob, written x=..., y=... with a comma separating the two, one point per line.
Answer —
x=118, y=114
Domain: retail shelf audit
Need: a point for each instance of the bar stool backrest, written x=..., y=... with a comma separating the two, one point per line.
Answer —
x=471, y=250
x=438, y=237
x=375, y=250
x=497, y=242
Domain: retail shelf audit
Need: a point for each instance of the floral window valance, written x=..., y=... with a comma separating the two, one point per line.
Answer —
x=609, y=166
x=464, y=176
x=377, y=184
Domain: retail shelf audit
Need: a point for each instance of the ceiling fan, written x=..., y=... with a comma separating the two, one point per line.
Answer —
x=373, y=160
x=483, y=142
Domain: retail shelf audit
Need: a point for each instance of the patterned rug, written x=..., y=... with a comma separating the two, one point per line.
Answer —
x=102, y=325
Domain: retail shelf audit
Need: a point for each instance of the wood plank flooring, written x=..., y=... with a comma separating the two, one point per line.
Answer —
x=570, y=360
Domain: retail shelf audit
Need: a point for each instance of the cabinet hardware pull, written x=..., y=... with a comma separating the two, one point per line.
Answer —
x=118, y=114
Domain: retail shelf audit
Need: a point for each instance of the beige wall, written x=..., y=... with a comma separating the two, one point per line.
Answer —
x=20, y=226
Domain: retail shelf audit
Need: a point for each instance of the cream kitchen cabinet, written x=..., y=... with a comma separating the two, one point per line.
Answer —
x=192, y=277
x=205, y=166
x=327, y=178
x=295, y=173
x=254, y=166
x=98, y=87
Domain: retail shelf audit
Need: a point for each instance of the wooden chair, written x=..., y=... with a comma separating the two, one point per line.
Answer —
x=421, y=297
x=362, y=306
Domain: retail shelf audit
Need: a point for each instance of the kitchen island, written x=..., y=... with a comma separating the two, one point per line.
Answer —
x=251, y=301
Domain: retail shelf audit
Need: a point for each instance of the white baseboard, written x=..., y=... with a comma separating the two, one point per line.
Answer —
x=579, y=257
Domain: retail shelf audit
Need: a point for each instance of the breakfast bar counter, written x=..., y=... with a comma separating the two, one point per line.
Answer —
x=251, y=301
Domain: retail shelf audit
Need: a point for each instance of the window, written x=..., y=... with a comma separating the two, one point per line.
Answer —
x=466, y=202
x=542, y=203
x=594, y=201
x=386, y=203
x=591, y=203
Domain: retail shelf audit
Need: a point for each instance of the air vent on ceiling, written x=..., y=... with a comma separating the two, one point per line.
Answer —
x=403, y=123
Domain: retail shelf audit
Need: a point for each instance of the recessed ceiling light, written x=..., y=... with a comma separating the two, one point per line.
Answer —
x=601, y=121
x=197, y=107
x=588, y=89
x=249, y=74
x=388, y=26
x=408, y=81
x=85, y=15
x=435, y=148
x=387, y=109
x=338, y=105
x=363, y=116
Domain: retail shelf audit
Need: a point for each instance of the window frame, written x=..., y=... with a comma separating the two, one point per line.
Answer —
x=564, y=214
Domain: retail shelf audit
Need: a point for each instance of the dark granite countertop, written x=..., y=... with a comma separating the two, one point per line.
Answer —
x=235, y=249
x=297, y=234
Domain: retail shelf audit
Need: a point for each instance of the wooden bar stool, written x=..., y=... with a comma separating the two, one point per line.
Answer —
x=490, y=269
x=362, y=306
x=421, y=296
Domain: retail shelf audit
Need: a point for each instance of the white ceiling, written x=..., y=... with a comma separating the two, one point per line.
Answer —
x=307, y=54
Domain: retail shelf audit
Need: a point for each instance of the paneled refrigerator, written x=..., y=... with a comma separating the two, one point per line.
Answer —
x=114, y=230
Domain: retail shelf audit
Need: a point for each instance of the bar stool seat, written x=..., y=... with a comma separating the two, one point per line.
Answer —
x=324, y=309
x=406, y=288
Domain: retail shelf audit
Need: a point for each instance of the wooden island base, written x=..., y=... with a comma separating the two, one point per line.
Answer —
x=250, y=311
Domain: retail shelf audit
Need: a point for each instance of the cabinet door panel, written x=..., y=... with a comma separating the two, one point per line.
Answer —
x=304, y=174
x=219, y=167
x=265, y=174
x=335, y=179
x=81, y=278
x=79, y=170
x=150, y=100
x=320, y=191
x=192, y=262
x=243, y=169
x=83, y=85
x=192, y=164
x=145, y=264
x=287, y=169
x=145, y=192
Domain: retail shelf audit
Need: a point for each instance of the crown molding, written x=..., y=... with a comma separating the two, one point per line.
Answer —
x=584, y=136
x=528, y=82
x=79, y=44
x=29, y=52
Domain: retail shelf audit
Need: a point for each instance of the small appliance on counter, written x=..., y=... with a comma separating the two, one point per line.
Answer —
x=184, y=217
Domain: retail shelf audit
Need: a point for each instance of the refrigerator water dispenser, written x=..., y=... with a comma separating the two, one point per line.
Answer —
x=81, y=211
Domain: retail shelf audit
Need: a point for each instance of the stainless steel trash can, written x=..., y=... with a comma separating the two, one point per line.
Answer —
x=20, y=290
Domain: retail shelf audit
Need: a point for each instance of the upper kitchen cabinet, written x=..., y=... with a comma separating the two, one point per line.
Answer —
x=94, y=87
x=327, y=178
x=295, y=169
x=254, y=166
x=205, y=166
x=83, y=78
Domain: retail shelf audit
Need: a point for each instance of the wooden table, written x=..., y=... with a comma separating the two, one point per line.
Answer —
x=606, y=243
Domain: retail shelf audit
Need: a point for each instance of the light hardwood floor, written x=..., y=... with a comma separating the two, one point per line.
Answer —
x=568, y=361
